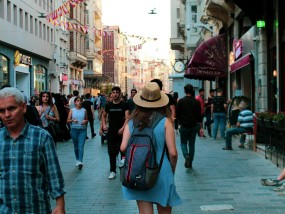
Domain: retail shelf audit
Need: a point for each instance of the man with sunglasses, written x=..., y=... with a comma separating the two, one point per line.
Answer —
x=117, y=112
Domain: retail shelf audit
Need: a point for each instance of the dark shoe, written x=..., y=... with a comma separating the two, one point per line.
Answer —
x=188, y=163
x=80, y=165
x=241, y=146
x=93, y=135
x=87, y=138
x=228, y=148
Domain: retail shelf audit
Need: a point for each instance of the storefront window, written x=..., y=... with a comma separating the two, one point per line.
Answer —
x=39, y=79
x=4, y=70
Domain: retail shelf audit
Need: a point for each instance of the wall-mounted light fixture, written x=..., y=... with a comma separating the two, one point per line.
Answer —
x=274, y=73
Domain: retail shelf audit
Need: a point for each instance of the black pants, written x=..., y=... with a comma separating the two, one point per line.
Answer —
x=52, y=133
x=114, y=141
x=91, y=123
x=208, y=123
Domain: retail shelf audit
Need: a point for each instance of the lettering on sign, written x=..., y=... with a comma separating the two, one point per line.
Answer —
x=24, y=59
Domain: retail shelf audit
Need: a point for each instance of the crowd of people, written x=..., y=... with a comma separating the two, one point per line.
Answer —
x=49, y=118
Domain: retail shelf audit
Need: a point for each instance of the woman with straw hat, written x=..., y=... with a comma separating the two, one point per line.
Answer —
x=150, y=102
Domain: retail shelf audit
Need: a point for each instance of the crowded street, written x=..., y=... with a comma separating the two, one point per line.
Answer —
x=220, y=181
x=142, y=107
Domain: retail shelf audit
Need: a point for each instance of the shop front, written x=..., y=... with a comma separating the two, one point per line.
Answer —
x=4, y=70
x=242, y=81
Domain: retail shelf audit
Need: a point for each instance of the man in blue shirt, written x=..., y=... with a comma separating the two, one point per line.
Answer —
x=244, y=124
x=29, y=168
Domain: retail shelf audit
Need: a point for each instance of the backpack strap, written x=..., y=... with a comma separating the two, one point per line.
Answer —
x=158, y=118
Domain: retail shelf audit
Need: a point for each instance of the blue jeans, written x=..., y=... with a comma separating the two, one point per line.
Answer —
x=78, y=137
x=232, y=131
x=219, y=120
x=188, y=138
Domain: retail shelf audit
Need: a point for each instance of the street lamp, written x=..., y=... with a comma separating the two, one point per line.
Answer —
x=195, y=25
x=42, y=15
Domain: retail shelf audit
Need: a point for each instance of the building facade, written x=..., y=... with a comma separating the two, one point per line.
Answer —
x=93, y=76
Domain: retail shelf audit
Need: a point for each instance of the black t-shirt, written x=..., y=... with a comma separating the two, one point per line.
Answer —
x=116, y=115
x=87, y=104
x=218, y=103
x=171, y=100
x=131, y=104
x=188, y=111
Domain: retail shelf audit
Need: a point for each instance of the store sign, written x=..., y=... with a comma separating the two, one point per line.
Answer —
x=24, y=59
x=21, y=59
x=63, y=77
x=238, y=49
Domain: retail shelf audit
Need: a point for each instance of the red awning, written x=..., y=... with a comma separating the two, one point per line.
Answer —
x=209, y=60
x=240, y=63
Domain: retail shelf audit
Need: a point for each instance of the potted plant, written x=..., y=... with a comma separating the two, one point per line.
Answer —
x=279, y=121
x=264, y=118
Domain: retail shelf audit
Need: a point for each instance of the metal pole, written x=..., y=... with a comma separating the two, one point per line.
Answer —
x=277, y=56
x=256, y=73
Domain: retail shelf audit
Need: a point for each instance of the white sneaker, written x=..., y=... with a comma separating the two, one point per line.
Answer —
x=112, y=175
x=77, y=163
x=122, y=162
x=279, y=189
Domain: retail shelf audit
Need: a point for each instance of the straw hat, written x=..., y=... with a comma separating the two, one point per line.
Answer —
x=151, y=97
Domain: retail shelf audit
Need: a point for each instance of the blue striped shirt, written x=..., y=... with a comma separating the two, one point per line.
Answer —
x=29, y=171
x=245, y=118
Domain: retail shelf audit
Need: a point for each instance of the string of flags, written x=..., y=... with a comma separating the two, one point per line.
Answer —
x=63, y=9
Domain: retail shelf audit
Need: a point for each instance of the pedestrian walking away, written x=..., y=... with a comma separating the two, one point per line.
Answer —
x=150, y=102
x=218, y=111
x=77, y=117
x=30, y=171
x=207, y=112
x=88, y=105
x=117, y=113
x=188, y=113
x=200, y=98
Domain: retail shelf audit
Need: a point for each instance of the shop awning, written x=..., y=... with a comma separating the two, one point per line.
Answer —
x=240, y=63
x=209, y=60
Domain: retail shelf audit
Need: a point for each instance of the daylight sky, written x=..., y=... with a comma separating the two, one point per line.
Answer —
x=132, y=17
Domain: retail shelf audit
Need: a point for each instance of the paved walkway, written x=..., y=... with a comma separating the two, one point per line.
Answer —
x=220, y=179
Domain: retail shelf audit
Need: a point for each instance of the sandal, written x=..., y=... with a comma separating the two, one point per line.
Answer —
x=241, y=146
x=227, y=148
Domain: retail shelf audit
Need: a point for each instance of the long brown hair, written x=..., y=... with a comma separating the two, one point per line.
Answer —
x=50, y=102
x=143, y=116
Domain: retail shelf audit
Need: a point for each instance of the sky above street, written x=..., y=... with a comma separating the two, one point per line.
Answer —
x=132, y=16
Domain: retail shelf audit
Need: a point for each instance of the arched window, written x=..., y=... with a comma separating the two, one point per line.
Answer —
x=4, y=70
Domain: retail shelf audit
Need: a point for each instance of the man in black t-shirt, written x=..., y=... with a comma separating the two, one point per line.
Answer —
x=88, y=105
x=218, y=111
x=188, y=111
x=117, y=112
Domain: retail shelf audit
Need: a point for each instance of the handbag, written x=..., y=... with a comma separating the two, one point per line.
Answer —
x=52, y=127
